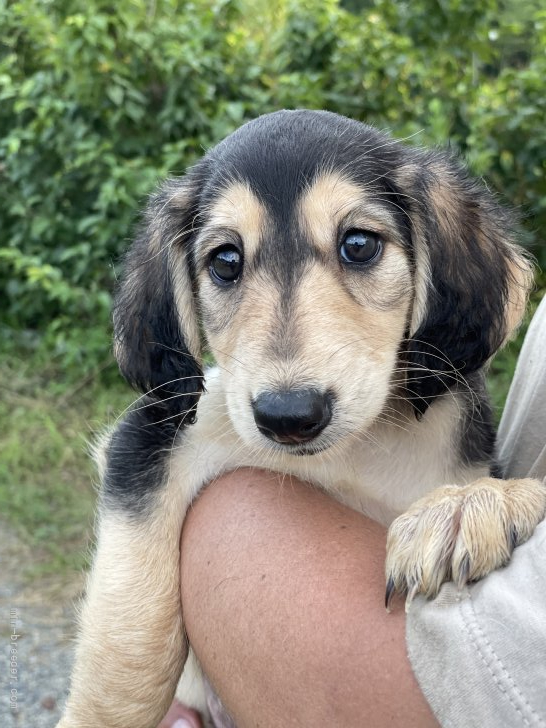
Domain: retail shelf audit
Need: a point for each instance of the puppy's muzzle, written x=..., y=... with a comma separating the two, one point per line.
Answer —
x=292, y=417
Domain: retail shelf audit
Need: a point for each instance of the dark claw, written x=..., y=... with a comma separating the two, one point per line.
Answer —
x=389, y=592
x=514, y=538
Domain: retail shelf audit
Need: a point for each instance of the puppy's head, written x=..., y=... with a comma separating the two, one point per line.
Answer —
x=330, y=268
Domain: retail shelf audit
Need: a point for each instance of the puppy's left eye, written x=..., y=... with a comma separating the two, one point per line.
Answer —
x=360, y=246
x=226, y=264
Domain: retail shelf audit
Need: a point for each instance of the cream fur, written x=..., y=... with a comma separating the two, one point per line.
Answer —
x=377, y=458
x=137, y=568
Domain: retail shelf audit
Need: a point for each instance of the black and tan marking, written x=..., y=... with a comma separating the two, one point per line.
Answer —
x=351, y=290
x=283, y=191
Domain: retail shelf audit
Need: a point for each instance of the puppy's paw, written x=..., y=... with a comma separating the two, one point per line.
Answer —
x=460, y=534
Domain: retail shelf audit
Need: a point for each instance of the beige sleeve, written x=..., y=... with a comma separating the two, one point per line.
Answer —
x=480, y=654
x=522, y=431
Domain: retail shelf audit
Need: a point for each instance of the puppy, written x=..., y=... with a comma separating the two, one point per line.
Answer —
x=351, y=290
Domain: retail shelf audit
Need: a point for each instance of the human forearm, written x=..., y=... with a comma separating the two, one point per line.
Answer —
x=283, y=603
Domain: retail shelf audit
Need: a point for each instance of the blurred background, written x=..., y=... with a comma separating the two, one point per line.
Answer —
x=101, y=100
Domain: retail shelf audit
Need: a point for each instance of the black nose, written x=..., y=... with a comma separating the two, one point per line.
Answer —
x=294, y=416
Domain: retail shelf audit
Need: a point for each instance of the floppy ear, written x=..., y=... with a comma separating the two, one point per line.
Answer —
x=156, y=332
x=471, y=279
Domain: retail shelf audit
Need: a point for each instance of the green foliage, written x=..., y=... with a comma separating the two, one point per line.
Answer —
x=46, y=476
x=100, y=100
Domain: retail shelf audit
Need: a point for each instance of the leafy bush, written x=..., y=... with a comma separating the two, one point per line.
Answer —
x=99, y=100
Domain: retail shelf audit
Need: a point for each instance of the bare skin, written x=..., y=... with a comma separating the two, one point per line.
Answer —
x=178, y=712
x=283, y=592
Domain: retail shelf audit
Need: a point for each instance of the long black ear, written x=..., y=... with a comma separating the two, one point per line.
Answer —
x=156, y=332
x=471, y=279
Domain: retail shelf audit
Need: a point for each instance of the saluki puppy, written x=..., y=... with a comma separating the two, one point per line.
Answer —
x=351, y=290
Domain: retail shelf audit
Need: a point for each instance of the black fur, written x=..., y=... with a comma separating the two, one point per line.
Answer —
x=464, y=323
x=150, y=345
x=137, y=456
x=278, y=155
x=477, y=442
x=152, y=352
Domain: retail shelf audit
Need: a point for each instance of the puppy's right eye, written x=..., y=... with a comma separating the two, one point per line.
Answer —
x=360, y=246
x=226, y=264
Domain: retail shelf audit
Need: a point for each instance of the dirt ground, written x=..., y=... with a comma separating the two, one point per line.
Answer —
x=36, y=633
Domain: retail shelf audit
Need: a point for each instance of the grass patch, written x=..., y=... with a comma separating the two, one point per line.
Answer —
x=46, y=476
x=500, y=375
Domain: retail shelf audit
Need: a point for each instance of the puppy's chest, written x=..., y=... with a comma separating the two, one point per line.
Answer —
x=383, y=478
x=380, y=472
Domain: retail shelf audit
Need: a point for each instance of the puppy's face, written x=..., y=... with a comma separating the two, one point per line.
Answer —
x=327, y=265
x=304, y=303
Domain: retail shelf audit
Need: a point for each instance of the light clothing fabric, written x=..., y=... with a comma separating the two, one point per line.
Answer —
x=479, y=654
x=522, y=431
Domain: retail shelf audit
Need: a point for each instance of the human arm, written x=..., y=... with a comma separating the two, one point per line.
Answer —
x=282, y=596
